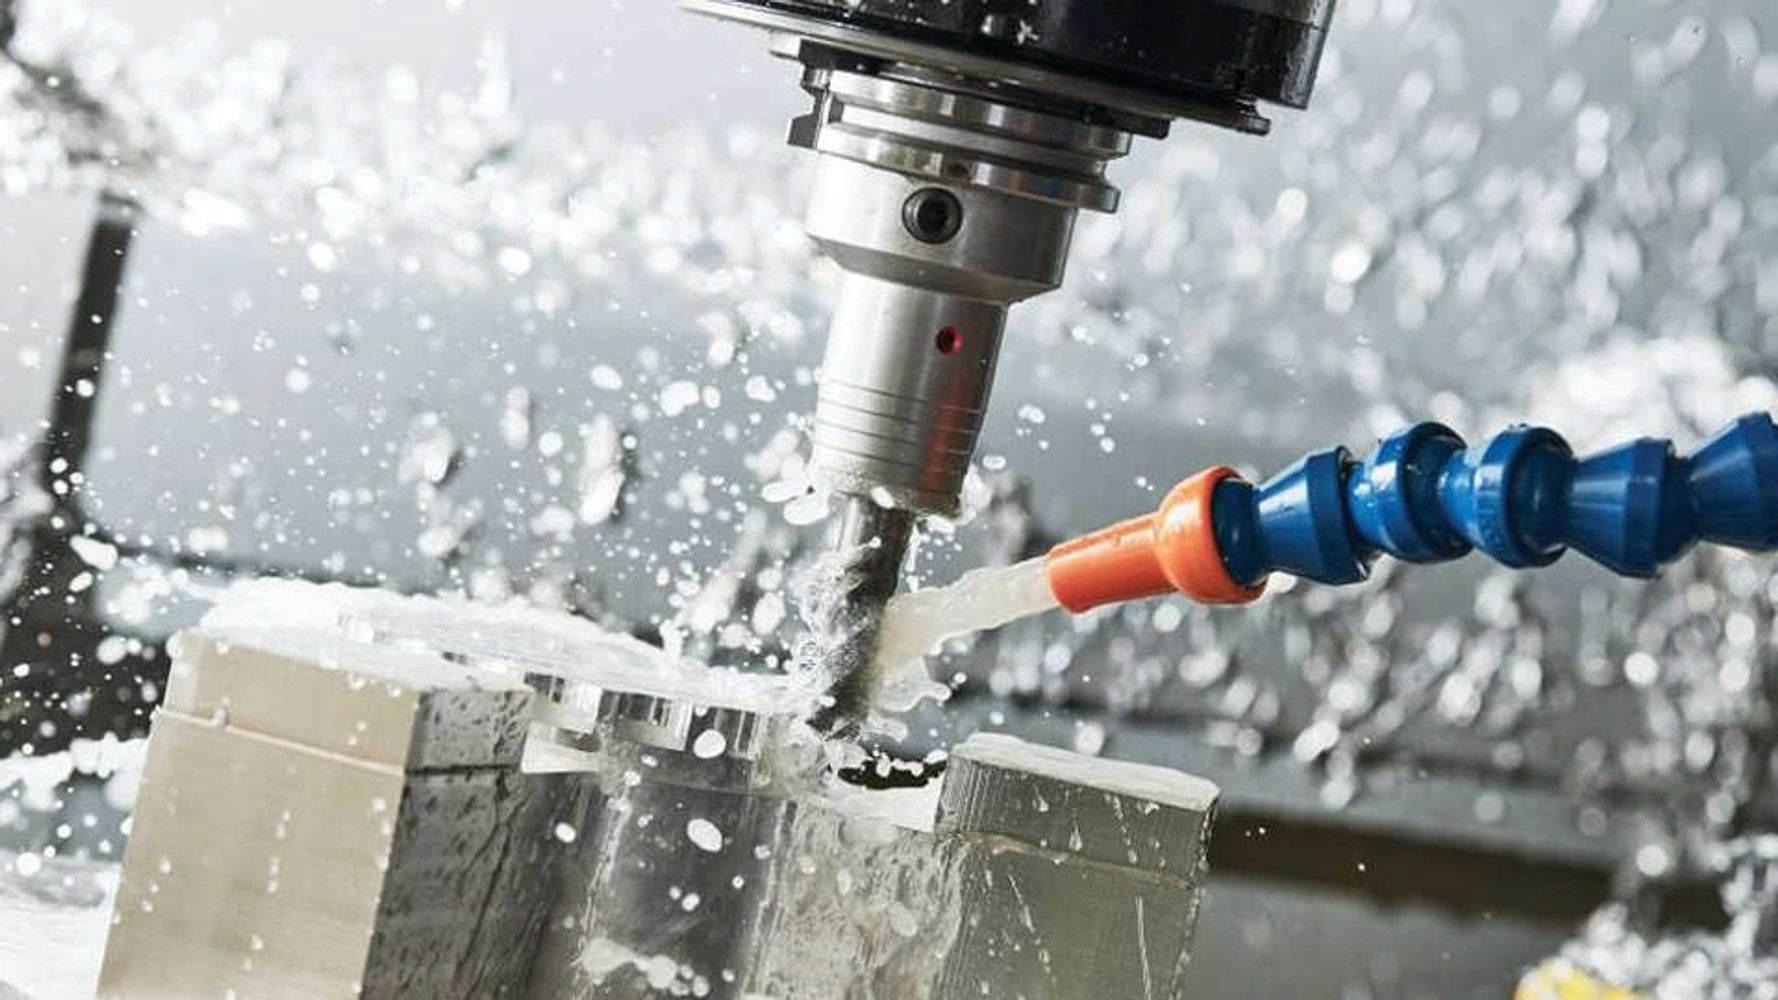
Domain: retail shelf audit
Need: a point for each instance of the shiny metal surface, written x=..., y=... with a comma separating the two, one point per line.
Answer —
x=986, y=112
x=149, y=483
x=807, y=898
x=918, y=324
x=896, y=412
x=663, y=884
x=946, y=197
x=291, y=837
x=1135, y=815
x=1114, y=852
x=578, y=717
x=328, y=817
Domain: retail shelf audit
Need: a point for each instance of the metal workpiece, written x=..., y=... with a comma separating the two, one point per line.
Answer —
x=383, y=706
x=1049, y=926
x=666, y=860
x=663, y=885
x=865, y=908
x=680, y=886
x=564, y=724
x=995, y=900
x=574, y=719
x=1114, y=852
x=589, y=683
x=862, y=908
x=740, y=734
x=323, y=818
x=1114, y=813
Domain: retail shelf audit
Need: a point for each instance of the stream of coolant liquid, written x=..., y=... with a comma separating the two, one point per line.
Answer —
x=916, y=623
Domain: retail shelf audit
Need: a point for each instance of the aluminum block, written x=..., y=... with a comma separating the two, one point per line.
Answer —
x=1078, y=876
x=1133, y=815
x=326, y=817
x=319, y=818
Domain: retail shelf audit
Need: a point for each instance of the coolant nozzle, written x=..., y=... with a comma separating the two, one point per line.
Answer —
x=1425, y=496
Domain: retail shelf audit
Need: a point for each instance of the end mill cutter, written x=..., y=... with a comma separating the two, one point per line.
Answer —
x=958, y=140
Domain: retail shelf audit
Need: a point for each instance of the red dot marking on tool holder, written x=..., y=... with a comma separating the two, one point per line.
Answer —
x=949, y=340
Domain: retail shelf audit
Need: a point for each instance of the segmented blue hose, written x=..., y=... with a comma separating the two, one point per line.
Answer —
x=1521, y=497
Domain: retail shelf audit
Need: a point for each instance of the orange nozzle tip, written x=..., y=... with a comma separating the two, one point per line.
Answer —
x=1186, y=547
x=1116, y=563
x=1173, y=549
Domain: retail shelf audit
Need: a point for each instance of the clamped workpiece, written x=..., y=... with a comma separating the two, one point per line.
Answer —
x=1425, y=496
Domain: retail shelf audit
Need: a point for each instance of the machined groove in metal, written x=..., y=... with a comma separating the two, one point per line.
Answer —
x=675, y=725
x=584, y=716
x=939, y=429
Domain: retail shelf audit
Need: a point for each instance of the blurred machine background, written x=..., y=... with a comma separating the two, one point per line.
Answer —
x=512, y=299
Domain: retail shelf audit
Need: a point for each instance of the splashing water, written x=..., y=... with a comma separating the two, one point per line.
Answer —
x=1735, y=963
x=914, y=624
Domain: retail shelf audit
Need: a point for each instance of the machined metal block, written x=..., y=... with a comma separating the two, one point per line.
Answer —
x=859, y=908
x=1049, y=876
x=252, y=866
x=1130, y=815
x=660, y=895
x=664, y=887
x=1078, y=876
x=1044, y=925
x=322, y=818
x=471, y=877
x=372, y=703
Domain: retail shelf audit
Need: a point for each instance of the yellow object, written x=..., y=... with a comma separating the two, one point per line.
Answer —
x=1560, y=980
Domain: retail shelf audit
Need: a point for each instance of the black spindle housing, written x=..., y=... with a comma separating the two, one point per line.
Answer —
x=1175, y=51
